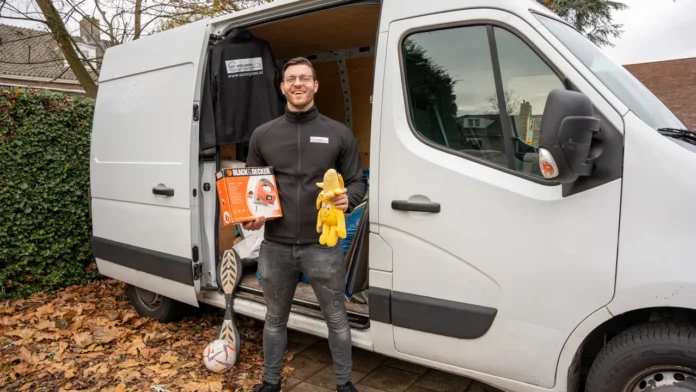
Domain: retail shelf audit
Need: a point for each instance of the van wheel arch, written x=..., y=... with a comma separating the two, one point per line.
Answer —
x=159, y=307
x=596, y=340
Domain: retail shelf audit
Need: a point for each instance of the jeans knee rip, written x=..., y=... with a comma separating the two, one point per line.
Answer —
x=332, y=291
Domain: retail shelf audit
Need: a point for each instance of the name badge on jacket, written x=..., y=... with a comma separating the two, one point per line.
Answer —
x=318, y=139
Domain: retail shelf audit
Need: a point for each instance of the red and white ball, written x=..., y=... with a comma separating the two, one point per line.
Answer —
x=219, y=355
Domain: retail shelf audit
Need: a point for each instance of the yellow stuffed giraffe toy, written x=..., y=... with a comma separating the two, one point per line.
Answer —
x=330, y=221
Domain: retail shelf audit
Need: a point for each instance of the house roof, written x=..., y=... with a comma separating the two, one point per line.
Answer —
x=33, y=53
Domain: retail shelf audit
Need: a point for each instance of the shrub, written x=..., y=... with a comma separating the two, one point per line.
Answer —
x=44, y=191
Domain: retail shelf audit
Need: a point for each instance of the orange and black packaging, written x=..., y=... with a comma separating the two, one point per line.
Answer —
x=246, y=193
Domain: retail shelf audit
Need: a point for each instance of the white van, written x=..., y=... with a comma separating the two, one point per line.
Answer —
x=525, y=223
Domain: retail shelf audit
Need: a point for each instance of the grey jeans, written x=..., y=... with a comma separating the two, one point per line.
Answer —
x=279, y=266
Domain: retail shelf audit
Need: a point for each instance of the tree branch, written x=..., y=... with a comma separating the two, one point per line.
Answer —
x=111, y=32
x=24, y=18
x=65, y=42
x=138, y=14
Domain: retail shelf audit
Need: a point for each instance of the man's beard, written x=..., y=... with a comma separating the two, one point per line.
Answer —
x=306, y=99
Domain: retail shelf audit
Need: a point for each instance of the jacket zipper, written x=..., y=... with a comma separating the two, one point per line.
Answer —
x=299, y=166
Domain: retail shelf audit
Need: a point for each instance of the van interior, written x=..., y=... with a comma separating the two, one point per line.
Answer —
x=340, y=42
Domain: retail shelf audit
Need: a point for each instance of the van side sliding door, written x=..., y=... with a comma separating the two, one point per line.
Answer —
x=144, y=163
x=493, y=266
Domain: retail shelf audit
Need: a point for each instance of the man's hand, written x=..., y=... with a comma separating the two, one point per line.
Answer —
x=341, y=201
x=255, y=224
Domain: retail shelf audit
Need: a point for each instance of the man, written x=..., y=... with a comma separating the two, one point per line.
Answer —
x=301, y=146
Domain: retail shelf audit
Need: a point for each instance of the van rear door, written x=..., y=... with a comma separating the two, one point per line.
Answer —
x=143, y=162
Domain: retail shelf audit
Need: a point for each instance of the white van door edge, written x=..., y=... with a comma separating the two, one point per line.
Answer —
x=144, y=163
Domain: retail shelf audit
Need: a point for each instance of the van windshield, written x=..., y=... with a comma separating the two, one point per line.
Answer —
x=616, y=78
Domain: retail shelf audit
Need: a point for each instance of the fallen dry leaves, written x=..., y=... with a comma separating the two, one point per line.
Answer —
x=89, y=338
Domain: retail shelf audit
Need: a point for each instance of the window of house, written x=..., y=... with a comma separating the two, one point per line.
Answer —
x=453, y=100
x=90, y=53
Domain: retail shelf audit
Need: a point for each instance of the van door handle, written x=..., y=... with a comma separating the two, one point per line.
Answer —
x=163, y=191
x=404, y=205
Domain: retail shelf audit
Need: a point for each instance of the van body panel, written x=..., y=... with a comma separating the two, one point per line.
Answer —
x=381, y=257
x=123, y=222
x=567, y=374
x=658, y=222
x=153, y=282
x=394, y=10
x=297, y=322
x=154, y=52
x=143, y=160
x=375, y=136
x=480, y=288
x=123, y=150
x=377, y=338
x=502, y=272
x=279, y=9
x=207, y=208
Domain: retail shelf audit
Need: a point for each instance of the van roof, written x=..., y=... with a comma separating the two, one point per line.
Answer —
x=280, y=8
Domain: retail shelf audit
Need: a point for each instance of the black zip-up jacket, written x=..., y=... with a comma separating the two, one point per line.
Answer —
x=301, y=147
x=241, y=90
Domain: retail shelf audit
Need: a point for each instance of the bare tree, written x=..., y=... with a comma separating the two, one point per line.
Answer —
x=512, y=103
x=67, y=46
x=188, y=11
x=111, y=23
x=44, y=13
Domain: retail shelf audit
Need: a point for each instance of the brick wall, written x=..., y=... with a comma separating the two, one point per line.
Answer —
x=674, y=83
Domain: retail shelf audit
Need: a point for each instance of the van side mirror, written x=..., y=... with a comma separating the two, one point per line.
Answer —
x=567, y=129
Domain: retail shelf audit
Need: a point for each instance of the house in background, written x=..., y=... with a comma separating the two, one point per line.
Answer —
x=674, y=83
x=32, y=58
x=478, y=132
x=527, y=125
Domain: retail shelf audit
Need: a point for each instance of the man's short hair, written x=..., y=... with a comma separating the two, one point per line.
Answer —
x=298, y=61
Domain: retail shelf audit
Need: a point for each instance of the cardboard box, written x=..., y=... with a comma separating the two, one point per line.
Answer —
x=248, y=192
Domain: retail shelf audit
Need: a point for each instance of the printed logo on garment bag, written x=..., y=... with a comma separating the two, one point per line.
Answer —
x=244, y=67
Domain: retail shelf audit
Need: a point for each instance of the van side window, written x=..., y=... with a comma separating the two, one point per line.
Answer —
x=453, y=102
x=527, y=81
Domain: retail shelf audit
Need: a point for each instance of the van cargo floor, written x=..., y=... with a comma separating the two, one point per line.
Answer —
x=305, y=300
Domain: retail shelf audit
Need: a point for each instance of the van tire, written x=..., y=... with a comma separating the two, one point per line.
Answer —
x=164, y=310
x=660, y=352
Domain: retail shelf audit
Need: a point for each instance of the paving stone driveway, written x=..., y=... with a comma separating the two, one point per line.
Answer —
x=371, y=372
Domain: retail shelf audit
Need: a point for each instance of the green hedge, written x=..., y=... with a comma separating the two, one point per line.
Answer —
x=44, y=191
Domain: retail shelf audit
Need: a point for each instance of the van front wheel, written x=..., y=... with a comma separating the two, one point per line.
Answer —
x=149, y=304
x=656, y=357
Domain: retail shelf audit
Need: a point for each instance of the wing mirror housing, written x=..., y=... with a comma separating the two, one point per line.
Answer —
x=567, y=129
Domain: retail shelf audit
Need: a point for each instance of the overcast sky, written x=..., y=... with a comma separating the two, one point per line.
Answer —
x=655, y=30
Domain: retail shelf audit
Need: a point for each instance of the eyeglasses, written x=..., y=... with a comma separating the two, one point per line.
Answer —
x=304, y=79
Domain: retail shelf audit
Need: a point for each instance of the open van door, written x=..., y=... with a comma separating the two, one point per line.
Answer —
x=144, y=163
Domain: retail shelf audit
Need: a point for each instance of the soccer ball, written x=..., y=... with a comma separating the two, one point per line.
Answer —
x=219, y=355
